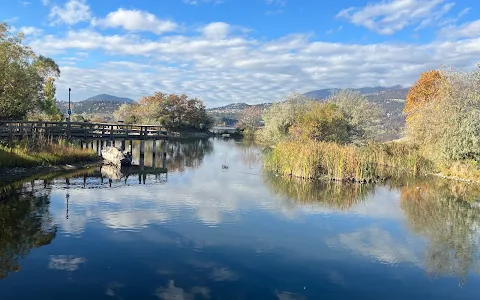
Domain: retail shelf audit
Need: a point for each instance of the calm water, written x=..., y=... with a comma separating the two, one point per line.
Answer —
x=205, y=232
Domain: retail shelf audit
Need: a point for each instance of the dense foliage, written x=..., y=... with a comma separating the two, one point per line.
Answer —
x=26, y=80
x=26, y=224
x=346, y=117
x=447, y=125
x=172, y=111
x=425, y=90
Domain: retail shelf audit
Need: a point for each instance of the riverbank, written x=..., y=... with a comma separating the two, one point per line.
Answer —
x=24, y=158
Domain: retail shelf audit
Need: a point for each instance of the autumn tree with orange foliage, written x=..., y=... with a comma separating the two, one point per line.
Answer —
x=426, y=89
x=169, y=110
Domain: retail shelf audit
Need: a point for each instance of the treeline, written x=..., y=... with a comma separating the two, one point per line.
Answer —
x=169, y=110
x=337, y=138
x=27, y=80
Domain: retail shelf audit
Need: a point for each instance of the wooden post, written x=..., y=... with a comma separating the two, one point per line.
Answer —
x=164, y=150
x=112, y=141
x=154, y=151
x=142, y=147
x=123, y=145
x=164, y=160
x=21, y=131
x=98, y=146
x=131, y=147
x=10, y=134
x=142, y=156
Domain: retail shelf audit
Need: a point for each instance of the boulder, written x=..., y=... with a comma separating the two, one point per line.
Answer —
x=115, y=156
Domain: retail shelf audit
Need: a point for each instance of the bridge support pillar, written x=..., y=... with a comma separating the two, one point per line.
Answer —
x=154, y=153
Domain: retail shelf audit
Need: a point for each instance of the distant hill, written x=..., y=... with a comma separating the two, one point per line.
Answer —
x=229, y=114
x=103, y=105
x=109, y=98
x=325, y=93
x=390, y=99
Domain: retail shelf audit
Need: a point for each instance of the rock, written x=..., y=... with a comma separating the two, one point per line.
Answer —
x=115, y=156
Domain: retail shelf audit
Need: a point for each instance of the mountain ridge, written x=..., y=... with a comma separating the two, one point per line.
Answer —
x=102, y=104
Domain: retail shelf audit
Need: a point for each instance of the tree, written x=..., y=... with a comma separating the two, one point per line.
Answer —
x=49, y=105
x=448, y=124
x=250, y=119
x=171, y=111
x=426, y=89
x=280, y=117
x=362, y=116
x=24, y=77
x=322, y=122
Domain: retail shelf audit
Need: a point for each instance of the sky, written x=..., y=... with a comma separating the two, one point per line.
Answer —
x=253, y=51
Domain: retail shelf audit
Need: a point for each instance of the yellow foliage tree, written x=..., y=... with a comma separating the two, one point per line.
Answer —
x=426, y=89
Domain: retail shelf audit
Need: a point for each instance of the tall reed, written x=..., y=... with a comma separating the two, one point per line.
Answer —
x=312, y=159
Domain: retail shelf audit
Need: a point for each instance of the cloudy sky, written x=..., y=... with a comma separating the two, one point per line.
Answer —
x=252, y=51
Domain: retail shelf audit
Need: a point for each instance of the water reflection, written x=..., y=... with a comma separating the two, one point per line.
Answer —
x=25, y=224
x=329, y=194
x=443, y=213
x=187, y=154
x=209, y=233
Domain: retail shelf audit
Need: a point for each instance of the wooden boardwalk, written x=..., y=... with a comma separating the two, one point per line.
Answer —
x=17, y=130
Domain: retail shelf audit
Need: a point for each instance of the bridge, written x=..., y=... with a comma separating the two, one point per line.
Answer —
x=17, y=130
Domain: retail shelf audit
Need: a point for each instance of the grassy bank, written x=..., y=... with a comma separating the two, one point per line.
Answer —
x=370, y=163
x=43, y=153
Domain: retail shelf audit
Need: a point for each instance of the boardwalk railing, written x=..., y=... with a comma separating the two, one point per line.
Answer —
x=12, y=130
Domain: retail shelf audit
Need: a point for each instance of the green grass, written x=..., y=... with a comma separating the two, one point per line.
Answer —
x=43, y=153
x=369, y=163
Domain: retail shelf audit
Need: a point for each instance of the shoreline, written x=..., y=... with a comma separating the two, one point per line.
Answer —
x=9, y=175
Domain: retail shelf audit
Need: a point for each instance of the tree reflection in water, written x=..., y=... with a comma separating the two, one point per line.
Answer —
x=443, y=212
x=25, y=224
x=187, y=153
x=329, y=194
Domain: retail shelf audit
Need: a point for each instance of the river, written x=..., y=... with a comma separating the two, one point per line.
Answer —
x=218, y=227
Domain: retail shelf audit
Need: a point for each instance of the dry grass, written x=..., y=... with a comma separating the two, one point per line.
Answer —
x=43, y=152
x=372, y=162
x=465, y=170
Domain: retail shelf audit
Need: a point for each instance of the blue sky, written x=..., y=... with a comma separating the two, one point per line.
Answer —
x=244, y=50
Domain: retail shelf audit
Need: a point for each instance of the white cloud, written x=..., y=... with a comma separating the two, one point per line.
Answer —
x=65, y=262
x=45, y=2
x=73, y=11
x=136, y=20
x=466, y=30
x=30, y=30
x=391, y=16
x=216, y=31
x=377, y=244
x=235, y=68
